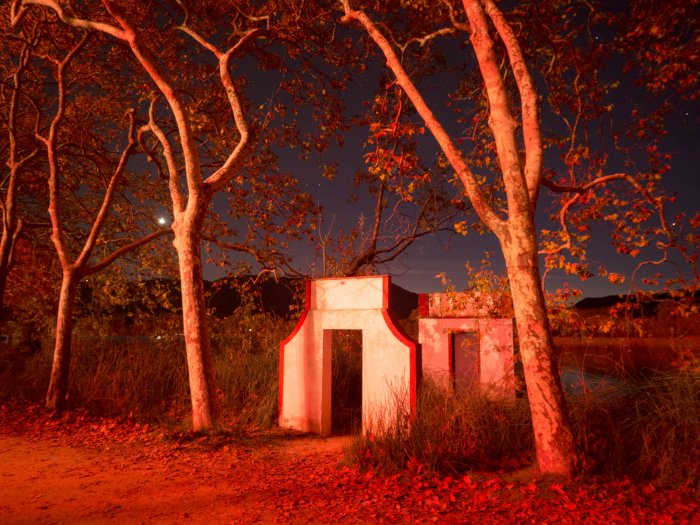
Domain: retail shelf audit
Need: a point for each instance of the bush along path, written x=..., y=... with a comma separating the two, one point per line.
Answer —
x=78, y=468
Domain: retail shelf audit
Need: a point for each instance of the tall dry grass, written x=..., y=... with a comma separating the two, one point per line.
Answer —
x=643, y=426
x=449, y=433
x=646, y=427
x=145, y=376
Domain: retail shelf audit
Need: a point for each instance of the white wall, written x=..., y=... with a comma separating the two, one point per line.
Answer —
x=388, y=357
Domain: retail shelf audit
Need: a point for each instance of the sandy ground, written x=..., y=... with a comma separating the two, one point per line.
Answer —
x=44, y=480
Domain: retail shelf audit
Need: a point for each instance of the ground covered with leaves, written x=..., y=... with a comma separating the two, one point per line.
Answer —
x=81, y=469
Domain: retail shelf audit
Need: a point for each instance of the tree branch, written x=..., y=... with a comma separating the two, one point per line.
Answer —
x=176, y=195
x=57, y=235
x=481, y=206
x=501, y=120
x=235, y=160
x=18, y=11
x=109, y=193
x=582, y=190
x=89, y=270
x=529, y=101
x=189, y=148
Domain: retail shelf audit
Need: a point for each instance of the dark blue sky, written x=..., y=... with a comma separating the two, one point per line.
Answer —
x=417, y=269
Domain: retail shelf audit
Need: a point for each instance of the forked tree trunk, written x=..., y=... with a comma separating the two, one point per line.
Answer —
x=194, y=316
x=58, y=384
x=554, y=442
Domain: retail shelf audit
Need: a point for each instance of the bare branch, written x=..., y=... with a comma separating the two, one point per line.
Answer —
x=421, y=41
x=453, y=17
x=19, y=9
x=107, y=200
x=235, y=160
x=89, y=270
x=176, y=195
x=58, y=236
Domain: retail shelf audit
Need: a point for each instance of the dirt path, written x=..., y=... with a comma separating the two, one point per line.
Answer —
x=44, y=481
x=78, y=470
x=105, y=472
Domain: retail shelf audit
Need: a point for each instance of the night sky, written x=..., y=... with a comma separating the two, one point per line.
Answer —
x=417, y=269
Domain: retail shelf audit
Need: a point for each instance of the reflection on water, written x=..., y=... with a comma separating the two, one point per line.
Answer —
x=577, y=381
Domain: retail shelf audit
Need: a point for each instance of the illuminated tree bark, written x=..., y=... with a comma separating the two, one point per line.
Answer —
x=58, y=383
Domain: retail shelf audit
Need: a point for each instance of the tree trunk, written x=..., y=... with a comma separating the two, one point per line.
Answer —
x=58, y=385
x=5, y=248
x=197, y=344
x=10, y=231
x=554, y=442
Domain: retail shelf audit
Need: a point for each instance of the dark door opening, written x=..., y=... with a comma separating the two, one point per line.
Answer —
x=346, y=382
x=465, y=361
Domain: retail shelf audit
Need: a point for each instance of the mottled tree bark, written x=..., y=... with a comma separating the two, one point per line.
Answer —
x=57, y=392
x=9, y=236
x=554, y=442
x=197, y=341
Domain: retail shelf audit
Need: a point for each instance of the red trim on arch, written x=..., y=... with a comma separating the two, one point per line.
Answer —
x=386, y=287
x=281, y=385
x=302, y=319
x=307, y=307
x=415, y=365
x=396, y=329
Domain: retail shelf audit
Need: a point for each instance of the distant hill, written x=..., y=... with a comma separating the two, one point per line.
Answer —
x=649, y=304
x=657, y=314
x=271, y=296
x=610, y=300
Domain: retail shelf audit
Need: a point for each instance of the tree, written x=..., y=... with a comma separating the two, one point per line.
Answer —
x=55, y=140
x=564, y=50
x=18, y=150
x=516, y=233
x=161, y=55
